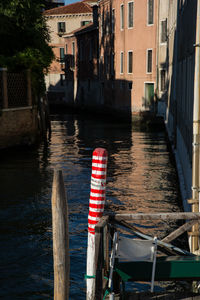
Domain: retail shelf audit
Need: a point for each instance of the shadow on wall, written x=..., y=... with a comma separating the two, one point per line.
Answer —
x=180, y=85
x=62, y=93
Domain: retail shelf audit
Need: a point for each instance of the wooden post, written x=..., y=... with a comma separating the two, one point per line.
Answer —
x=5, y=87
x=29, y=95
x=96, y=208
x=60, y=238
x=101, y=254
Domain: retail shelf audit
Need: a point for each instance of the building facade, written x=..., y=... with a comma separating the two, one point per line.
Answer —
x=180, y=67
x=128, y=41
x=62, y=20
x=82, y=66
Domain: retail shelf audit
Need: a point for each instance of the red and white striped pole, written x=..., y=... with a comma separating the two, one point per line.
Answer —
x=96, y=208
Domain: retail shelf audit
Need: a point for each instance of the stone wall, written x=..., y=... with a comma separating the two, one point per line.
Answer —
x=18, y=126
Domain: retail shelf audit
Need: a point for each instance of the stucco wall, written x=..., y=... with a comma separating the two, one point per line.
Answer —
x=18, y=127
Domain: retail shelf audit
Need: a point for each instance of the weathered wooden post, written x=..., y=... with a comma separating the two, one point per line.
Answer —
x=4, y=87
x=96, y=208
x=29, y=94
x=60, y=238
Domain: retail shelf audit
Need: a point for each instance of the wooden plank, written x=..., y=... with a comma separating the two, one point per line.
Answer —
x=60, y=238
x=157, y=216
x=193, y=233
x=99, y=265
x=193, y=201
x=172, y=236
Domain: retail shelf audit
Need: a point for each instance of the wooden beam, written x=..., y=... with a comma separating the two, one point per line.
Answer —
x=60, y=238
x=157, y=216
x=173, y=235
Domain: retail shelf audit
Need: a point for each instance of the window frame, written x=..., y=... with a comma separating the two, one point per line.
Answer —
x=122, y=17
x=121, y=62
x=128, y=60
x=128, y=20
x=62, y=55
x=161, y=80
x=147, y=61
x=148, y=14
x=163, y=22
x=59, y=27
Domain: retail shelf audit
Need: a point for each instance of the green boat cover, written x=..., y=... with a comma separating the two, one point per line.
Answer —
x=167, y=268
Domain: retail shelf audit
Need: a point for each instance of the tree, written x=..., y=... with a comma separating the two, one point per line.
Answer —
x=24, y=39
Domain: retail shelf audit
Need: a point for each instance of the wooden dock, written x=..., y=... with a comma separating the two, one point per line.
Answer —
x=176, y=264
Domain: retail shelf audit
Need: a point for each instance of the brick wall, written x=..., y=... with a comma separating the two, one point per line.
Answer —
x=18, y=127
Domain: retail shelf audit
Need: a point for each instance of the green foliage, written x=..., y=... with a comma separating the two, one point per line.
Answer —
x=24, y=38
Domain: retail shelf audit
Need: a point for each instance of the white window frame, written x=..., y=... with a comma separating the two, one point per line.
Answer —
x=121, y=62
x=150, y=24
x=130, y=51
x=121, y=23
x=147, y=56
x=130, y=27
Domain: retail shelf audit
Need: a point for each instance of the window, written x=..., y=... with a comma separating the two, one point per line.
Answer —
x=162, y=80
x=130, y=61
x=61, y=27
x=122, y=62
x=73, y=54
x=83, y=23
x=164, y=31
x=149, y=61
x=130, y=14
x=113, y=21
x=62, y=55
x=122, y=16
x=150, y=15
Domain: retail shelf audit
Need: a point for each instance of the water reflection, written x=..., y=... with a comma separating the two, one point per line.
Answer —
x=141, y=177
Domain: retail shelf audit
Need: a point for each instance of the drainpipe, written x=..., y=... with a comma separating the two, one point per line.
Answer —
x=196, y=131
x=158, y=51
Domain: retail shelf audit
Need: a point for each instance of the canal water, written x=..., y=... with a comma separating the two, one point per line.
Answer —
x=141, y=177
